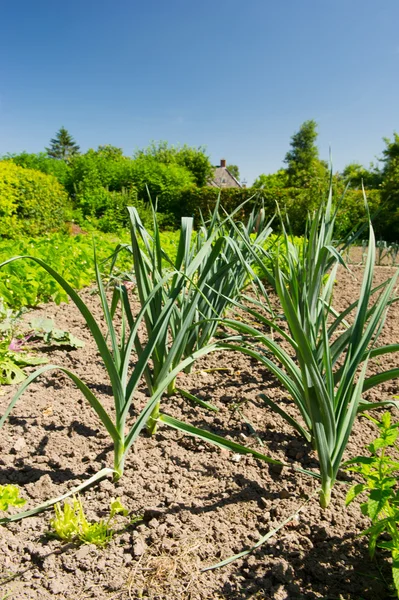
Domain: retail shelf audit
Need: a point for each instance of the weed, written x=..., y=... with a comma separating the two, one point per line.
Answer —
x=379, y=472
x=71, y=525
x=9, y=496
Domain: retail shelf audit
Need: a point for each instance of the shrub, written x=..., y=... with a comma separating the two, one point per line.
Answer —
x=352, y=212
x=163, y=182
x=41, y=162
x=30, y=201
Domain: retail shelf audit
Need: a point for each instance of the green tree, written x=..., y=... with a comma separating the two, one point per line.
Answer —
x=163, y=182
x=355, y=174
x=234, y=170
x=63, y=146
x=194, y=160
x=274, y=181
x=304, y=165
x=107, y=165
x=388, y=220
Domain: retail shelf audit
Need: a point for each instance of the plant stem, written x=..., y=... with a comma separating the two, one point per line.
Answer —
x=325, y=492
x=152, y=422
x=119, y=460
x=172, y=388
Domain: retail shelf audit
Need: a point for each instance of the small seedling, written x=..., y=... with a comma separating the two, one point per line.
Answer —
x=44, y=328
x=9, y=496
x=71, y=525
x=379, y=472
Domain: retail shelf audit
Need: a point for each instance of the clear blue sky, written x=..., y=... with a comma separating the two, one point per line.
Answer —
x=237, y=76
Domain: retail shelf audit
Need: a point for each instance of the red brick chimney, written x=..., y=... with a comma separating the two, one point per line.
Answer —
x=223, y=163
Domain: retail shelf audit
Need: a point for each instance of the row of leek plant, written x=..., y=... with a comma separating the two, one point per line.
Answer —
x=208, y=274
x=170, y=306
x=323, y=359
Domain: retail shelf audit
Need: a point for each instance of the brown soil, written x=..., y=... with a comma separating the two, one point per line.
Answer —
x=199, y=505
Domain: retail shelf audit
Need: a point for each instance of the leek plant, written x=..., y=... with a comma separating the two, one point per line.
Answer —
x=323, y=358
x=209, y=272
x=116, y=347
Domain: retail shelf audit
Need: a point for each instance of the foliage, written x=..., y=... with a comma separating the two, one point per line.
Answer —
x=71, y=525
x=16, y=344
x=379, y=473
x=294, y=204
x=9, y=496
x=357, y=176
x=63, y=146
x=41, y=162
x=388, y=220
x=272, y=182
x=13, y=356
x=115, y=349
x=201, y=202
x=324, y=380
x=304, y=167
x=100, y=182
x=14, y=348
x=43, y=328
x=31, y=202
x=216, y=265
x=20, y=284
x=352, y=213
x=193, y=159
x=161, y=182
x=104, y=182
x=234, y=170
x=105, y=167
x=303, y=148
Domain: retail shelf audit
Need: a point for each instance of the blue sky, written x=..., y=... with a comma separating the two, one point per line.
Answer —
x=238, y=77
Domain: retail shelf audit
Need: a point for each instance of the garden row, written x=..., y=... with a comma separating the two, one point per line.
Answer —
x=193, y=303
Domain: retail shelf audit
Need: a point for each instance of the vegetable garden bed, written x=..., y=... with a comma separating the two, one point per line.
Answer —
x=196, y=504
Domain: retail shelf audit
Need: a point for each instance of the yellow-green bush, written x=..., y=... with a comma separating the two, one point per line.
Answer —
x=31, y=202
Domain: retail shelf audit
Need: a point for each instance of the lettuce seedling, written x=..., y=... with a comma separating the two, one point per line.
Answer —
x=71, y=525
x=9, y=496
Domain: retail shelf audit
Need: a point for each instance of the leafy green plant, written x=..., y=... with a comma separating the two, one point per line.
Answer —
x=31, y=202
x=13, y=356
x=115, y=347
x=9, y=496
x=208, y=273
x=43, y=328
x=323, y=379
x=379, y=473
x=71, y=525
x=72, y=257
x=13, y=348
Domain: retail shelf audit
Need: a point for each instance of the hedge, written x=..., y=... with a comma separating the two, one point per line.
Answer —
x=293, y=202
x=31, y=203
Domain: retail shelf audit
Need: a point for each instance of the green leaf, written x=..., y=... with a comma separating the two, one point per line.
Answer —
x=377, y=502
x=354, y=491
x=395, y=575
x=9, y=496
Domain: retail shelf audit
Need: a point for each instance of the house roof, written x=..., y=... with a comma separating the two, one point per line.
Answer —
x=222, y=178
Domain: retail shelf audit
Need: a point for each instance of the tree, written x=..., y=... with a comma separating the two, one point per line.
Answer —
x=63, y=146
x=193, y=159
x=356, y=175
x=234, y=170
x=303, y=158
x=388, y=220
x=274, y=181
